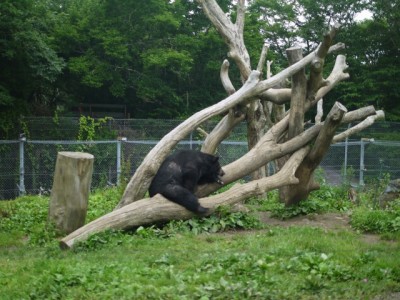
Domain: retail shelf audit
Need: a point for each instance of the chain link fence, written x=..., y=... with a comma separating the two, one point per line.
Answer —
x=27, y=166
x=67, y=128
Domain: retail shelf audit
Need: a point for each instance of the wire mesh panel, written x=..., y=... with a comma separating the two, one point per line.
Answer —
x=67, y=128
x=9, y=169
x=380, y=158
x=342, y=162
x=231, y=151
x=41, y=156
x=28, y=166
x=133, y=153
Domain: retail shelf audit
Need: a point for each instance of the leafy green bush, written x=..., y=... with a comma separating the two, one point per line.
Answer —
x=373, y=190
x=222, y=220
x=109, y=238
x=386, y=220
x=27, y=217
x=103, y=201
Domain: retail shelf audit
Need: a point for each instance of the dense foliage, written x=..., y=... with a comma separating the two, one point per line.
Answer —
x=161, y=58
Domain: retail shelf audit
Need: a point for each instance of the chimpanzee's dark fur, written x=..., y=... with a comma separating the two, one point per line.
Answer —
x=181, y=173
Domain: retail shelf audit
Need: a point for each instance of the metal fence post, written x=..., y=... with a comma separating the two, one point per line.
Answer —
x=346, y=146
x=119, y=156
x=21, y=187
x=362, y=163
x=362, y=148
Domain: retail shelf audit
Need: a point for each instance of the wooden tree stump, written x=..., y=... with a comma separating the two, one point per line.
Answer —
x=70, y=192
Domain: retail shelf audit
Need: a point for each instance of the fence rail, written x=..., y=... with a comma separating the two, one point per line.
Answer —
x=27, y=166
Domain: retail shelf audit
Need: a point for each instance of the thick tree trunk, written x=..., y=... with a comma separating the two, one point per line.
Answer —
x=299, y=94
x=70, y=191
x=296, y=193
x=297, y=103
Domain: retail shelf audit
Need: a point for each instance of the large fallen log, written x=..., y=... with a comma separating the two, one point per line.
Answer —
x=158, y=210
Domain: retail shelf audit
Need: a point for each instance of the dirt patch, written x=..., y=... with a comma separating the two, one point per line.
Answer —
x=328, y=221
x=391, y=296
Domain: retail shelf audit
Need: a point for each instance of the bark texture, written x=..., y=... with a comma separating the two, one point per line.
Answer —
x=299, y=94
x=296, y=193
x=70, y=191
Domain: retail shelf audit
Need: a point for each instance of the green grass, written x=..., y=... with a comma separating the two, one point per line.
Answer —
x=226, y=256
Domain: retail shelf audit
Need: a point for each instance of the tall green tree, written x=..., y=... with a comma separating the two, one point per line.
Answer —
x=162, y=58
x=284, y=23
x=374, y=59
x=29, y=65
x=145, y=54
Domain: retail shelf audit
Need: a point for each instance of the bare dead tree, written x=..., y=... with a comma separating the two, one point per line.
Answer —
x=281, y=137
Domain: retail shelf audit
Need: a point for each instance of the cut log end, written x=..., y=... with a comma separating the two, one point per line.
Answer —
x=64, y=245
x=76, y=155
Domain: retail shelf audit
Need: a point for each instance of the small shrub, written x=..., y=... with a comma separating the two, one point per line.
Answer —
x=27, y=216
x=220, y=221
x=376, y=220
x=102, y=201
x=374, y=188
